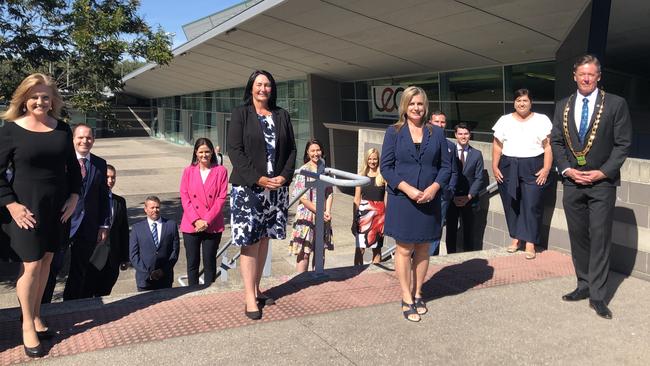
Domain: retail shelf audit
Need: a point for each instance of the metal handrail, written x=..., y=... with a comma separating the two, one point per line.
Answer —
x=491, y=188
x=322, y=178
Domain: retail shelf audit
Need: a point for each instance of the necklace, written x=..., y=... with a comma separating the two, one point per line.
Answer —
x=581, y=155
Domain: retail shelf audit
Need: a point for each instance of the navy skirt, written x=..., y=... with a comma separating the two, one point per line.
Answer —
x=411, y=222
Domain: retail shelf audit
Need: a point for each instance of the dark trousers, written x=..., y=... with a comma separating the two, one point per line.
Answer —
x=589, y=213
x=166, y=282
x=208, y=243
x=466, y=215
x=434, y=249
x=78, y=285
x=522, y=197
x=100, y=283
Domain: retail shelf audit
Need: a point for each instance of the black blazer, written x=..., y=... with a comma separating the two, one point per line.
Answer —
x=93, y=209
x=119, y=234
x=144, y=256
x=470, y=178
x=247, y=148
x=611, y=146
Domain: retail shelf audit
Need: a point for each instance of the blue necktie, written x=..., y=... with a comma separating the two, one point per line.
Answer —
x=154, y=233
x=584, y=120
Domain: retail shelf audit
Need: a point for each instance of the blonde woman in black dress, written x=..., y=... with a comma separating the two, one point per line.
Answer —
x=41, y=195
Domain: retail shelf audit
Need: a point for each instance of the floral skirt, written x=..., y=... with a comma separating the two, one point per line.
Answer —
x=370, y=221
x=304, y=227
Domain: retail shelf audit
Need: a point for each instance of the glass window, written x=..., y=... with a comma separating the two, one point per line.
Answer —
x=283, y=90
x=299, y=109
x=479, y=116
x=538, y=78
x=475, y=85
x=347, y=90
x=348, y=111
x=297, y=89
x=363, y=111
x=361, y=90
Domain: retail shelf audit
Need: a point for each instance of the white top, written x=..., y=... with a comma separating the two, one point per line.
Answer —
x=577, y=107
x=204, y=174
x=522, y=139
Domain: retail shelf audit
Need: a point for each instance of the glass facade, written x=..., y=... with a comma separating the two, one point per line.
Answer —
x=477, y=97
x=182, y=119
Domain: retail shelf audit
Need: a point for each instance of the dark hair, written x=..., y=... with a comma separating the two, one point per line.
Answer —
x=310, y=142
x=439, y=113
x=110, y=167
x=521, y=93
x=152, y=198
x=586, y=59
x=462, y=125
x=200, y=142
x=75, y=127
x=248, y=93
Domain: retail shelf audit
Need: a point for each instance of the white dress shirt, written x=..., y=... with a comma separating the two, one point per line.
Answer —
x=158, y=227
x=577, y=107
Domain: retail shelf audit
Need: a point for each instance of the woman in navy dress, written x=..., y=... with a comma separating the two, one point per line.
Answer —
x=416, y=165
x=41, y=195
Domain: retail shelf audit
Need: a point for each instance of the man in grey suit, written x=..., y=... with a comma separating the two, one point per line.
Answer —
x=465, y=205
x=591, y=138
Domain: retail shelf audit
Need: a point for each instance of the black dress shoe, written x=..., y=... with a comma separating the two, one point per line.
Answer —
x=34, y=352
x=576, y=295
x=601, y=308
x=253, y=315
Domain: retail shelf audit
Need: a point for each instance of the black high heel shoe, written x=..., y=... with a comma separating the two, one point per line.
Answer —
x=265, y=301
x=34, y=352
x=41, y=334
x=253, y=315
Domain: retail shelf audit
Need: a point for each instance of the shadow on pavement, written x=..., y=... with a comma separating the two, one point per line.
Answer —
x=457, y=278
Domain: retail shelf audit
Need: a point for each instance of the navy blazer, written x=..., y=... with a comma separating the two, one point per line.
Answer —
x=93, y=209
x=448, y=193
x=144, y=256
x=612, y=143
x=470, y=179
x=400, y=161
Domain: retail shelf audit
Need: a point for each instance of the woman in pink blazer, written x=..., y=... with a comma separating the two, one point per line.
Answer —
x=203, y=193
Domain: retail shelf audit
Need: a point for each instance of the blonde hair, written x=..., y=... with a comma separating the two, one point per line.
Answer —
x=379, y=179
x=407, y=95
x=21, y=94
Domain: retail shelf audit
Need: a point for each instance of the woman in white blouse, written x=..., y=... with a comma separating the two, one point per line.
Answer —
x=521, y=162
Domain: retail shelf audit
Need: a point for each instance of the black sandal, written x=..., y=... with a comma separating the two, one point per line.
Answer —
x=420, y=304
x=411, y=311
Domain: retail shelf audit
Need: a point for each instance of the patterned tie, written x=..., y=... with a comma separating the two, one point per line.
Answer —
x=82, y=164
x=154, y=233
x=584, y=120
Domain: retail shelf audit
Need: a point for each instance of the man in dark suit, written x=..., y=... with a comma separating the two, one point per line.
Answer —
x=469, y=164
x=439, y=118
x=89, y=223
x=153, y=248
x=591, y=138
x=104, y=274
x=218, y=155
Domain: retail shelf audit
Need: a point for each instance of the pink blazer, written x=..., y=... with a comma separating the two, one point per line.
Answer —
x=203, y=201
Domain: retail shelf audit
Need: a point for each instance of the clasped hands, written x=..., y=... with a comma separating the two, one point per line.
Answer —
x=585, y=177
x=422, y=196
x=271, y=183
x=200, y=225
x=156, y=274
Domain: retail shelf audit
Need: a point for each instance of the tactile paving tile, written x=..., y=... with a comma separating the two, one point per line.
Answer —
x=130, y=321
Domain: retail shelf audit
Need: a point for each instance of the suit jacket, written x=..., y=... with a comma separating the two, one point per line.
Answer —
x=400, y=161
x=470, y=179
x=448, y=192
x=611, y=145
x=119, y=234
x=203, y=200
x=93, y=209
x=219, y=157
x=144, y=256
x=247, y=148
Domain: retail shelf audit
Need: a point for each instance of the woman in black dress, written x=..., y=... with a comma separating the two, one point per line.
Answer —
x=262, y=150
x=41, y=195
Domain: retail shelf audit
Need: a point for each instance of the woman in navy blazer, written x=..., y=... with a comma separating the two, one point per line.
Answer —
x=204, y=186
x=416, y=165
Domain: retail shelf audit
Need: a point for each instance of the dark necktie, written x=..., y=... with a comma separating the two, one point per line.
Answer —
x=584, y=120
x=462, y=157
x=82, y=165
x=154, y=233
